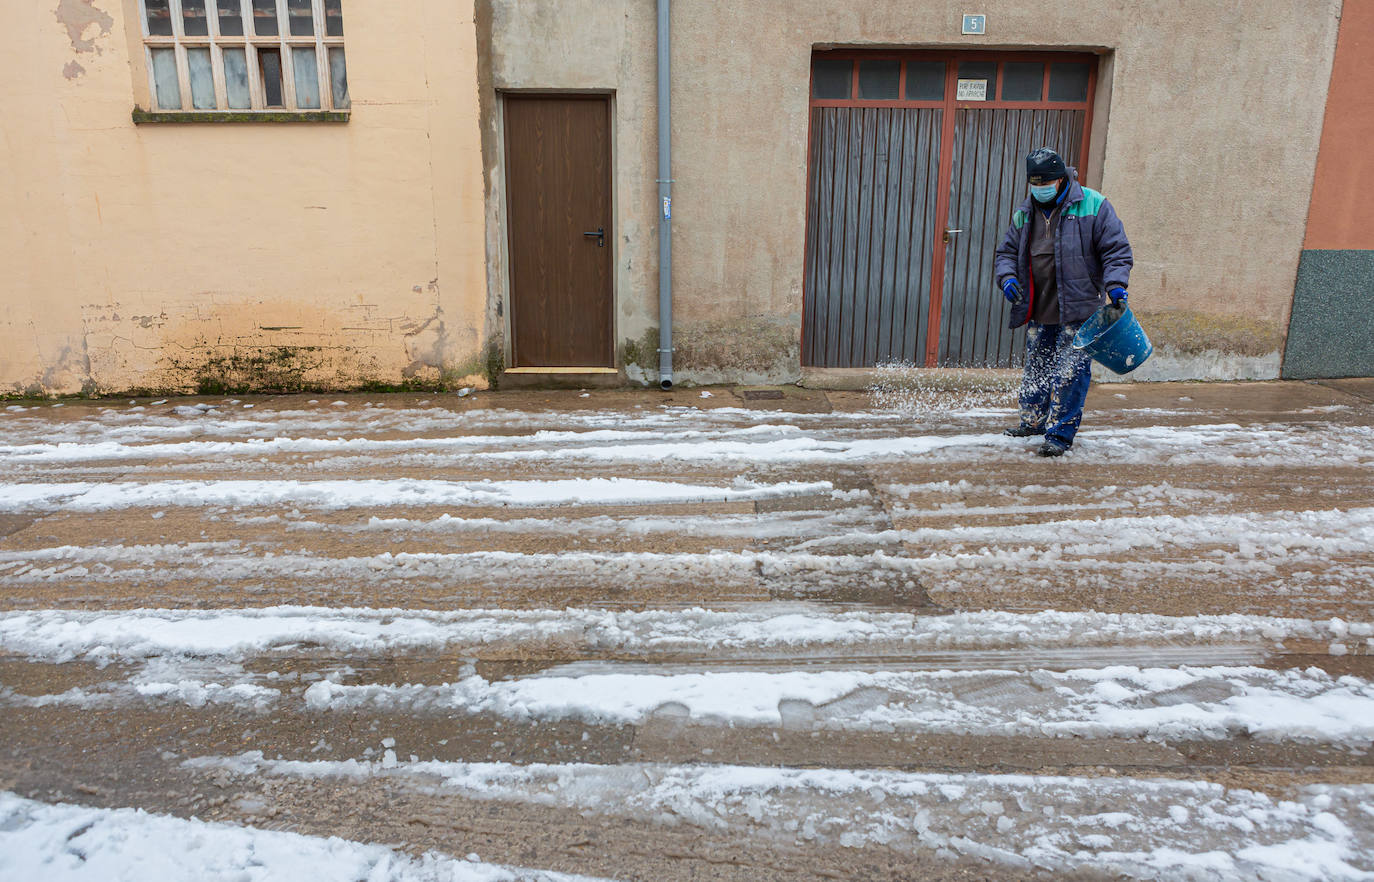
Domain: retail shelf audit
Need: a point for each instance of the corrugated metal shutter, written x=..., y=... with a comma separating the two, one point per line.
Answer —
x=870, y=246
x=988, y=182
x=906, y=145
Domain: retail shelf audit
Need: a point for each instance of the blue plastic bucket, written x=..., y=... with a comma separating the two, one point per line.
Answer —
x=1120, y=345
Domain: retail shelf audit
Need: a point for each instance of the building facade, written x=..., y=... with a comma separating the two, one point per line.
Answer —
x=1331, y=332
x=331, y=193
x=222, y=195
x=821, y=150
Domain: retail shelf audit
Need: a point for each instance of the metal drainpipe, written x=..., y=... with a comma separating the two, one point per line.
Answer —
x=665, y=198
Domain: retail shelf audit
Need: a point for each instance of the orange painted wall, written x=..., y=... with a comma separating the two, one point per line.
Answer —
x=1342, y=212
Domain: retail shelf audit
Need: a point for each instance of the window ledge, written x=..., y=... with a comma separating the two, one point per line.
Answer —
x=142, y=116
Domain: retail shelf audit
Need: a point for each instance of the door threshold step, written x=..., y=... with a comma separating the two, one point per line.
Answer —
x=562, y=370
x=936, y=379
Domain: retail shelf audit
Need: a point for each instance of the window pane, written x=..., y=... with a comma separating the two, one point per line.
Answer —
x=832, y=78
x=301, y=17
x=236, y=79
x=202, y=79
x=1069, y=82
x=269, y=65
x=977, y=80
x=193, y=20
x=159, y=18
x=338, y=79
x=880, y=80
x=307, y=71
x=925, y=81
x=230, y=18
x=333, y=18
x=1022, y=81
x=165, y=78
x=265, y=18
x=978, y=70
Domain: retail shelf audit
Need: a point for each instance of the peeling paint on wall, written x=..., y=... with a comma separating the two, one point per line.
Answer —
x=72, y=365
x=73, y=69
x=78, y=17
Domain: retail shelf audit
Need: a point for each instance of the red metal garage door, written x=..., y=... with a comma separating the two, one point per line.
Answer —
x=908, y=146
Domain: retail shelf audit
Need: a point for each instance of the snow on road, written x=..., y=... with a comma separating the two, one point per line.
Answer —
x=720, y=436
x=1120, y=701
x=1139, y=828
x=793, y=629
x=87, y=496
x=68, y=843
x=194, y=658
x=261, y=511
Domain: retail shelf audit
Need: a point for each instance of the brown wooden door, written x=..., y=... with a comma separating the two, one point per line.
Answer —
x=558, y=161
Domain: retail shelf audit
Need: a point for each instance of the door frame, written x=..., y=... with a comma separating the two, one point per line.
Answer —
x=951, y=57
x=505, y=305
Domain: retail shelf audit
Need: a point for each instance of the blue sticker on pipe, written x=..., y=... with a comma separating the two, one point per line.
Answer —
x=667, y=208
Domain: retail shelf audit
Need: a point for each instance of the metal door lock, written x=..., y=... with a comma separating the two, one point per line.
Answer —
x=949, y=233
x=600, y=234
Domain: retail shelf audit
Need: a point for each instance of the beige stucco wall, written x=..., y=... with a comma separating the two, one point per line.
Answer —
x=580, y=46
x=267, y=255
x=1206, y=147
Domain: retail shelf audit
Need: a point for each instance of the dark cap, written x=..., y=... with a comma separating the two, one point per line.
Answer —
x=1045, y=163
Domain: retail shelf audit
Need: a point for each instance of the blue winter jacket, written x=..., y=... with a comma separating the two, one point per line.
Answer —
x=1091, y=254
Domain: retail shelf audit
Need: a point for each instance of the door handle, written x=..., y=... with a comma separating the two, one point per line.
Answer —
x=599, y=234
x=950, y=232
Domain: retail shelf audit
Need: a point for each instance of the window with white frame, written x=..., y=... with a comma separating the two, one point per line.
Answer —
x=245, y=55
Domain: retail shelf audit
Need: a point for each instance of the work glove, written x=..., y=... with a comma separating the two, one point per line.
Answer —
x=1012, y=290
x=1118, y=296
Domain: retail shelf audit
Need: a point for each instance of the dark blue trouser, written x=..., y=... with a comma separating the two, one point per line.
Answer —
x=1055, y=384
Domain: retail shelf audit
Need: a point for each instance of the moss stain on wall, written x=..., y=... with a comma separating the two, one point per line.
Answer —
x=1194, y=333
x=641, y=352
x=753, y=349
x=253, y=369
x=752, y=345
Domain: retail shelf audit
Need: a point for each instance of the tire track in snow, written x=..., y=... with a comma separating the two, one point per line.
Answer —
x=1139, y=828
x=784, y=629
x=366, y=493
x=1166, y=705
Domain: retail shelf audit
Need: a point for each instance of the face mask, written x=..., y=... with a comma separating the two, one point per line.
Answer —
x=1045, y=193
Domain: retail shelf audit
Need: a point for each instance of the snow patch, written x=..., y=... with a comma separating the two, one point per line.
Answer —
x=1104, y=826
x=380, y=493
x=67, y=843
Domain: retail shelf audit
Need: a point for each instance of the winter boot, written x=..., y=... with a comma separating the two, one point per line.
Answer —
x=1052, y=447
x=1023, y=431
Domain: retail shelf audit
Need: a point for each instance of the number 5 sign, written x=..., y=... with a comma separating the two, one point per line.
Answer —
x=975, y=24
